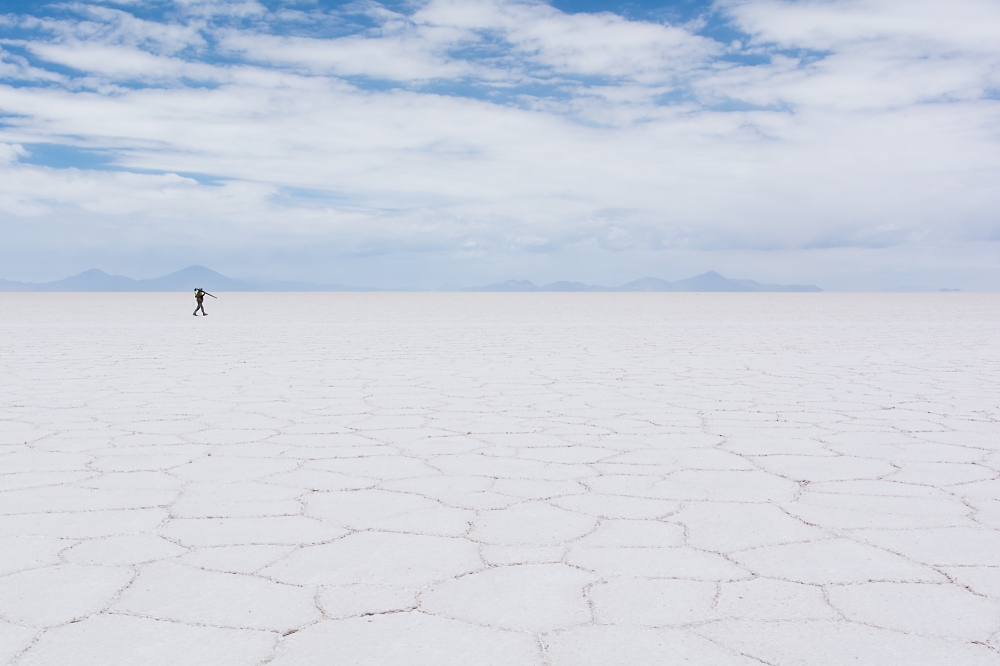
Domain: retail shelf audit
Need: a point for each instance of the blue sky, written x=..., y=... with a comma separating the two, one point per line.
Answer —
x=854, y=144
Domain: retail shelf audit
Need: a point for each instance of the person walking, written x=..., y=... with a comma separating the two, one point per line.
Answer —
x=199, y=295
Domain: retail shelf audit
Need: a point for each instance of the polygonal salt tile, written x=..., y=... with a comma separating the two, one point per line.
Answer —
x=536, y=489
x=626, y=483
x=250, y=450
x=13, y=639
x=656, y=563
x=833, y=561
x=407, y=638
x=376, y=467
x=123, y=550
x=170, y=591
x=944, y=610
x=236, y=500
x=45, y=461
x=345, y=601
x=291, y=438
x=991, y=460
x=987, y=512
x=942, y=474
x=634, y=534
x=486, y=501
x=320, y=480
x=660, y=458
x=769, y=599
x=235, y=559
x=825, y=468
x=767, y=444
x=842, y=511
x=19, y=431
x=530, y=523
x=710, y=459
x=75, y=442
x=18, y=553
x=234, y=436
x=84, y=524
x=636, y=646
x=243, y=419
x=565, y=454
x=958, y=546
x=652, y=603
x=888, y=488
x=469, y=492
x=161, y=426
x=728, y=526
x=726, y=486
x=20, y=480
x=387, y=421
x=432, y=446
x=391, y=511
x=806, y=642
x=132, y=481
x=531, y=597
x=214, y=469
x=53, y=595
x=585, y=429
x=628, y=470
x=133, y=641
x=905, y=451
x=987, y=490
x=504, y=555
x=187, y=451
x=510, y=468
x=69, y=498
x=616, y=506
x=263, y=530
x=147, y=439
x=316, y=453
x=378, y=558
x=971, y=432
x=981, y=580
x=142, y=463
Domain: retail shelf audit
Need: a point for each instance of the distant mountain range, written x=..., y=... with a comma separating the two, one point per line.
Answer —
x=199, y=276
x=187, y=279
x=710, y=281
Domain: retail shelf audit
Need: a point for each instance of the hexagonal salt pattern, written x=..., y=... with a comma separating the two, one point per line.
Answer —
x=500, y=480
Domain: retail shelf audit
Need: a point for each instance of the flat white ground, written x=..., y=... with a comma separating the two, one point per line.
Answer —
x=500, y=479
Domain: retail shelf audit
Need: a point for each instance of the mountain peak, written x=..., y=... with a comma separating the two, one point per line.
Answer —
x=508, y=285
x=196, y=269
x=707, y=282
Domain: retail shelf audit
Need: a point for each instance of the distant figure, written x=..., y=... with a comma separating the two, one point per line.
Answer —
x=199, y=295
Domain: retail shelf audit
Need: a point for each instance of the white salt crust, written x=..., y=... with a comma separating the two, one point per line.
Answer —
x=500, y=479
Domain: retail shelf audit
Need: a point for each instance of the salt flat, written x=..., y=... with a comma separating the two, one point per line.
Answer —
x=500, y=479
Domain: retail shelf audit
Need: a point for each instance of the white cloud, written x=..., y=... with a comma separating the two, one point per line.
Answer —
x=407, y=55
x=492, y=128
x=10, y=153
x=603, y=45
x=120, y=62
x=914, y=25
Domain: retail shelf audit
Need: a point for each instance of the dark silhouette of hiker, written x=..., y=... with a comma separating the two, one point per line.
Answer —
x=199, y=295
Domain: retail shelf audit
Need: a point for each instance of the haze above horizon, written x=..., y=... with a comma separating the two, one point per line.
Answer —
x=853, y=144
x=197, y=277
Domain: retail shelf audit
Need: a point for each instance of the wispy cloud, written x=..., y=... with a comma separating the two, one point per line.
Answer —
x=488, y=128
